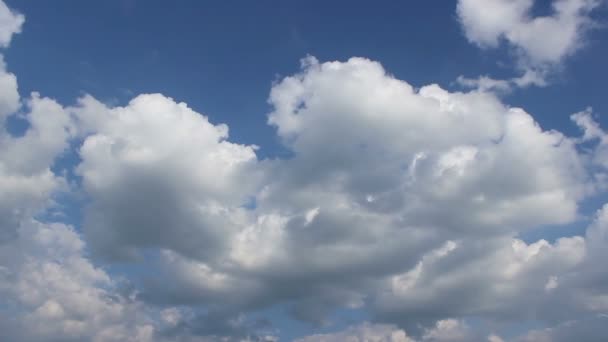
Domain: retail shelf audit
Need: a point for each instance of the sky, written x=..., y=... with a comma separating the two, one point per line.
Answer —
x=395, y=171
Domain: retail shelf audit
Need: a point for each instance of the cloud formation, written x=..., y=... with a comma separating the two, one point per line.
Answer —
x=539, y=43
x=10, y=23
x=405, y=202
x=537, y=39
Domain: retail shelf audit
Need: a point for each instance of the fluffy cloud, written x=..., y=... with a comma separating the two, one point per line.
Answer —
x=412, y=209
x=26, y=179
x=456, y=160
x=484, y=279
x=10, y=23
x=361, y=333
x=592, y=329
x=486, y=83
x=56, y=294
x=9, y=97
x=539, y=42
x=403, y=201
x=423, y=188
x=415, y=169
x=160, y=175
x=448, y=330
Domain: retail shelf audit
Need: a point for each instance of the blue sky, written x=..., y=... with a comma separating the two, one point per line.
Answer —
x=391, y=194
x=221, y=57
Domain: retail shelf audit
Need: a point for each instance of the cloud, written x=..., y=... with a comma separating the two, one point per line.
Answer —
x=26, y=179
x=9, y=97
x=484, y=83
x=540, y=43
x=405, y=202
x=10, y=24
x=537, y=40
x=410, y=213
x=160, y=175
x=500, y=279
x=424, y=191
x=56, y=294
x=448, y=330
x=361, y=333
x=422, y=150
x=424, y=181
x=591, y=329
x=489, y=84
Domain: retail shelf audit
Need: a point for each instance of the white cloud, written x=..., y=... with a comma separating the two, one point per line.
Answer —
x=390, y=123
x=537, y=40
x=55, y=293
x=486, y=279
x=488, y=84
x=453, y=176
x=485, y=83
x=589, y=329
x=26, y=180
x=10, y=24
x=9, y=97
x=488, y=172
x=540, y=43
x=159, y=174
x=402, y=201
x=447, y=330
x=365, y=332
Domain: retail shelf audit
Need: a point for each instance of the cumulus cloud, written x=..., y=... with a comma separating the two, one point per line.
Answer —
x=9, y=96
x=432, y=177
x=489, y=84
x=26, y=179
x=591, y=329
x=10, y=24
x=538, y=40
x=540, y=43
x=56, y=294
x=413, y=210
x=406, y=202
x=448, y=330
x=412, y=151
x=160, y=175
x=361, y=333
x=477, y=286
x=424, y=187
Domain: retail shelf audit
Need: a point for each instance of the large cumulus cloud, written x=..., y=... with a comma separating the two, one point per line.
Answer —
x=407, y=202
x=413, y=210
x=540, y=43
x=159, y=174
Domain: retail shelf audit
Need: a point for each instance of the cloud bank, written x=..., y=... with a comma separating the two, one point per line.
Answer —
x=405, y=202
